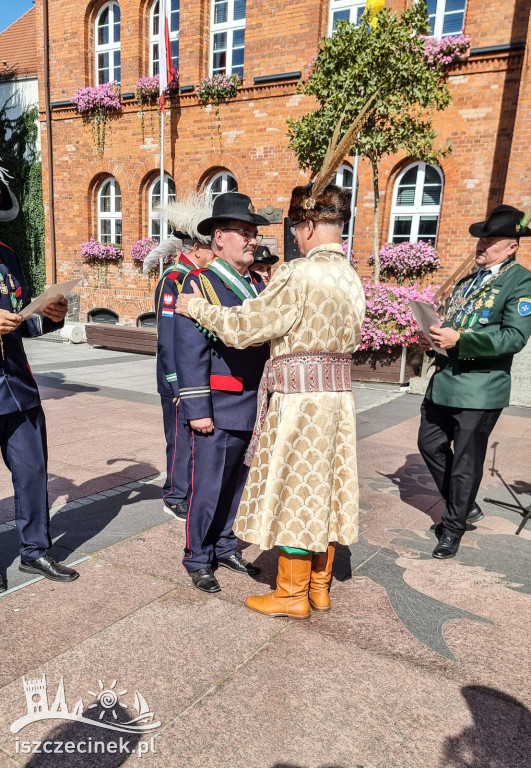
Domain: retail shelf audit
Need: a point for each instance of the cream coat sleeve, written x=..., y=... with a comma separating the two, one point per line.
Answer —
x=269, y=316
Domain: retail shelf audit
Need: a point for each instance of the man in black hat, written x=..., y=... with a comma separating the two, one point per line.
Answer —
x=22, y=424
x=487, y=322
x=263, y=261
x=218, y=388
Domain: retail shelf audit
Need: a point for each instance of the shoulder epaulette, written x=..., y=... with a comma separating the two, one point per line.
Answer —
x=197, y=271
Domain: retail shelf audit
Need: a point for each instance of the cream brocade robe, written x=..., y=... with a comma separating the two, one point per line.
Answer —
x=302, y=489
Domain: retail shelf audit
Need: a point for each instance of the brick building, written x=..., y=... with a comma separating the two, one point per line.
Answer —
x=111, y=197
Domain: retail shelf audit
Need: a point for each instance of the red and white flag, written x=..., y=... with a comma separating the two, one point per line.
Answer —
x=165, y=62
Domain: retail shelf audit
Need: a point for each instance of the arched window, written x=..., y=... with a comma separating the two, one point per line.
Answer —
x=154, y=200
x=110, y=212
x=227, y=39
x=446, y=17
x=108, y=66
x=345, y=179
x=154, y=35
x=345, y=10
x=416, y=204
x=222, y=182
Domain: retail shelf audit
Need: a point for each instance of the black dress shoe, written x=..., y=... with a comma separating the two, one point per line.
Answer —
x=205, y=580
x=179, y=510
x=474, y=516
x=45, y=566
x=237, y=564
x=448, y=546
x=3, y=585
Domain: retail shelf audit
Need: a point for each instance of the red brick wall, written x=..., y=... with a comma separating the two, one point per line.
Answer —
x=488, y=124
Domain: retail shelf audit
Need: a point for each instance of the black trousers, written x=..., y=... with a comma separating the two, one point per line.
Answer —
x=24, y=450
x=457, y=472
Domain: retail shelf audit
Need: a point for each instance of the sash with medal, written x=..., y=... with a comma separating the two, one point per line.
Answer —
x=466, y=309
x=233, y=280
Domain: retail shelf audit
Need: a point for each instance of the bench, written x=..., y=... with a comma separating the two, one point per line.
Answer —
x=122, y=338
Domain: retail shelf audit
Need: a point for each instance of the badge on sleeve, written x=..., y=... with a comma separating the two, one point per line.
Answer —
x=168, y=299
x=524, y=307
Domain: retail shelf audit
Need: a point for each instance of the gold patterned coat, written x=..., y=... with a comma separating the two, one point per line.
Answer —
x=302, y=489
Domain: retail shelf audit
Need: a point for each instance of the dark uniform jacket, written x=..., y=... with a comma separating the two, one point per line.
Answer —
x=166, y=295
x=214, y=380
x=495, y=321
x=18, y=388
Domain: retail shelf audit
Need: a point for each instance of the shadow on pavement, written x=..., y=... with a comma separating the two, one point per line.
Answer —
x=78, y=745
x=89, y=527
x=499, y=736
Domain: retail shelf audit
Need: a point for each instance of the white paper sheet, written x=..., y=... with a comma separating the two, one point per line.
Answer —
x=425, y=315
x=50, y=295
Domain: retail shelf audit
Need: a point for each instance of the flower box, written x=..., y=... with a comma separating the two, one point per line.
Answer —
x=394, y=365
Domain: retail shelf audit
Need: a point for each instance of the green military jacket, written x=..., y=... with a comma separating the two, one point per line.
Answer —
x=495, y=324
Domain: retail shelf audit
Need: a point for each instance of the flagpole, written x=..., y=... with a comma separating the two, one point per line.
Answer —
x=353, y=201
x=162, y=200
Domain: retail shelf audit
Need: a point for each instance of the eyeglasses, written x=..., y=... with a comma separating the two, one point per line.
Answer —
x=247, y=236
x=294, y=227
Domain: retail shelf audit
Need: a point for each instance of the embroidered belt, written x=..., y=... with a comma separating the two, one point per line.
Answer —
x=295, y=373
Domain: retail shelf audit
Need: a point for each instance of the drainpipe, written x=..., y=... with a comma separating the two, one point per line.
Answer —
x=49, y=138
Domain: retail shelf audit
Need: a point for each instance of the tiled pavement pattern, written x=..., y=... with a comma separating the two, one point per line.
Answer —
x=420, y=663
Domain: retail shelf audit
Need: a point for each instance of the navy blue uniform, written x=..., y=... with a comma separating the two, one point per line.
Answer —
x=221, y=383
x=22, y=423
x=177, y=446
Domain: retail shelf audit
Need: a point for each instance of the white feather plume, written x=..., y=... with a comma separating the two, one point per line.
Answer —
x=168, y=247
x=186, y=213
x=4, y=176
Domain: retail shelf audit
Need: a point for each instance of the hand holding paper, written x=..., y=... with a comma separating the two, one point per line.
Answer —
x=426, y=316
x=51, y=296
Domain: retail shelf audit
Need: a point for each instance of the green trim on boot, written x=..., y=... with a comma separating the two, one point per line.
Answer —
x=295, y=551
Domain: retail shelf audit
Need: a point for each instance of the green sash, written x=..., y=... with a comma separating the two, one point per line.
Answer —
x=236, y=282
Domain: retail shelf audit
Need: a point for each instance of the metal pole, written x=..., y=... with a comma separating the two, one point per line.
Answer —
x=162, y=200
x=353, y=204
x=51, y=205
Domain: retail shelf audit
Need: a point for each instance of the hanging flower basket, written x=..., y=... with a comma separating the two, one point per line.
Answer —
x=143, y=248
x=407, y=260
x=96, y=104
x=94, y=252
x=448, y=52
x=216, y=89
x=147, y=91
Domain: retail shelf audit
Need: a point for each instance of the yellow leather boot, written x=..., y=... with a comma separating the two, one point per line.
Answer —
x=319, y=595
x=290, y=598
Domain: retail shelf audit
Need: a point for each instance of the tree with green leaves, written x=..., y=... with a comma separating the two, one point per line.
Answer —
x=390, y=61
x=20, y=157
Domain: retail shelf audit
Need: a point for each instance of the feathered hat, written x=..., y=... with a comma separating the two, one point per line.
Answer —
x=319, y=200
x=9, y=207
x=184, y=215
x=503, y=221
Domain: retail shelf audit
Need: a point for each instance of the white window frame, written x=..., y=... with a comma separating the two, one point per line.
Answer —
x=440, y=14
x=114, y=215
x=224, y=176
x=417, y=209
x=169, y=196
x=154, y=36
x=111, y=47
x=229, y=27
x=345, y=5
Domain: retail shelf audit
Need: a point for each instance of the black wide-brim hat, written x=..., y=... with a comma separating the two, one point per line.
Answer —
x=9, y=207
x=263, y=255
x=232, y=206
x=504, y=221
